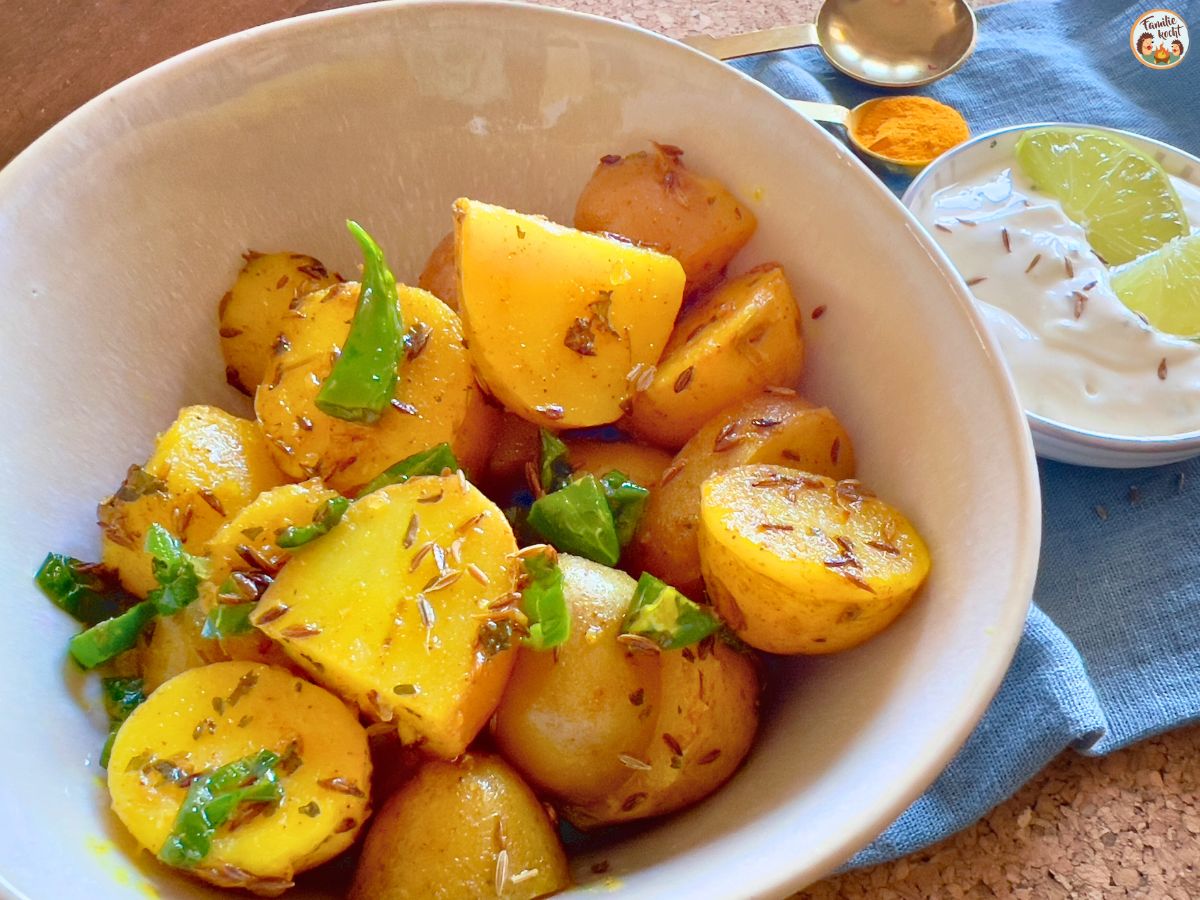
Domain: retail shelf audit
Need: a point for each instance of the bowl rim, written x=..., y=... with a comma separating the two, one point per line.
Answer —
x=1101, y=442
x=791, y=873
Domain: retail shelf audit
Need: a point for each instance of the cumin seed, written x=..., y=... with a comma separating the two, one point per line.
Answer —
x=407, y=408
x=672, y=744
x=632, y=800
x=1004, y=238
x=550, y=411
x=781, y=391
x=684, y=379
x=300, y=631
x=425, y=608
x=270, y=615
x=341, y=785
x=478, y=574
x=978, y=279
x=410, y=536
x=1033, y=262
x=1070, y=266
x=709, y=757
x=819, y=311
x=632, y=762
x=1162, y=369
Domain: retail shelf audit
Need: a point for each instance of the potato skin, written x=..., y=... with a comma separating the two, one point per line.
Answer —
x=709, y=713
x=441, y=835
x=251, y=707
x=738, y=340
x=798, y=563
x=437, y=384
x=564, y=724
x=804, y=437
x=251, y=312
x=439, y=276
x=652, y=198
x=205, y=468
x=385, y=610
x=557, y=318
x=641, y=463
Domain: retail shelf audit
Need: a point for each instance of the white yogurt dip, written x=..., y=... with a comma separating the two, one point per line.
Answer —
x=1078, y=355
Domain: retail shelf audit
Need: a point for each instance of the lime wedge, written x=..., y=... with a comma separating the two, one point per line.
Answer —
x=1164, y=286
x=1122, y=198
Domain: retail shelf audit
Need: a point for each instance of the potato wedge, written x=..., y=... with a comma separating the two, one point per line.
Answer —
x=782, y=429
x=652, y=198
x=389, y=609
x=743, y=337
x=568, y=717
x=249, y=544
x=205, y=468
x=643, y=464
x=469, y=828
x=557, y=318
x=439, y=276
x=706, y=722
x=798, y=563
x=219, y=714
x=251, y=312
x=436, y=399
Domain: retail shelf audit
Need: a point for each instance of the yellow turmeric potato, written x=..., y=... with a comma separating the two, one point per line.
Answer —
x=391, y=609
x=652, y=198
x=248, y=544
x=798, y=563
x=225, y=713
x=205, y=468
x=557, y=319
x=175, y=645
x=469, y=828
x=743, y=337
x=568, y=717
x=251, y=312
x=439, y=276
x=705, y=725
x=643, y=464
x=436, y=398
x=778, y=428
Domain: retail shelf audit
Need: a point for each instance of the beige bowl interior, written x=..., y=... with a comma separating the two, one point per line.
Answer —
x=121, y=228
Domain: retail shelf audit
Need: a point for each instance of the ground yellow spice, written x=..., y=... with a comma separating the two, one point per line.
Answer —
x=910, y=129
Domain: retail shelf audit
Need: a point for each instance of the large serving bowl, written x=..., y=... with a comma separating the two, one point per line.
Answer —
x=120, y=229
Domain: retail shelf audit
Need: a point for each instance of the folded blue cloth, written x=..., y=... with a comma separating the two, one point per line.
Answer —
x=1111, y=650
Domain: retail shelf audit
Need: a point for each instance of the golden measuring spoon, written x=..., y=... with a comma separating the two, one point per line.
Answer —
x=887, y=43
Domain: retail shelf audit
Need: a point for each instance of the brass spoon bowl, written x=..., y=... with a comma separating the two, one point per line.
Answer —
x=886, y=43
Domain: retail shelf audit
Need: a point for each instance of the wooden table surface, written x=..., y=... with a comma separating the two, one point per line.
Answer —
x=1124, y=826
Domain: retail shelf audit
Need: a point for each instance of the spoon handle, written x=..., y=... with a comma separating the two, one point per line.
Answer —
x=785, y=37
x=821, y=112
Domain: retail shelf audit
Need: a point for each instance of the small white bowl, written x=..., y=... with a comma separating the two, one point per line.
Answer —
x=121, y=227
x=1052, y=439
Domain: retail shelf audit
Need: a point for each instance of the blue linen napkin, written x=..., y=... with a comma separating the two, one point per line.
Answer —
x=1111, y=649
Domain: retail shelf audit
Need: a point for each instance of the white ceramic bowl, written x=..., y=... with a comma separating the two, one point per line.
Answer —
x=1052, y=439
x=121, y=227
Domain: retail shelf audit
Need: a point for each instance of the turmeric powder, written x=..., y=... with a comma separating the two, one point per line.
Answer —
x=910, y=129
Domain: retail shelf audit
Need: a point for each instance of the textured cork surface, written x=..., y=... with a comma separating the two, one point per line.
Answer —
x=1124, y=826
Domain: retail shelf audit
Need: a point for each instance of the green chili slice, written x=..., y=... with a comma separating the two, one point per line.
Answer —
x=544, y=603
x=121, y=697
x=662, y=614
x=112, y=637
x=577, y=519
x=363, y=380
x=228, y=620
x=327, y=515
x=212, y=799
x=78, y=588
x=626, y=500
x=178, y=572
x=556, y=464
x=433, y=461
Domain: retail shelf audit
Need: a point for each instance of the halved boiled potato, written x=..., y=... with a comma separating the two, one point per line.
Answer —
x=556, y=318
x=778, y=428
x=204, y=469
x=798, y=563
x=391, y=609
x=227, y=712
x=436, y=399
x=439, y=276
x=641, y=463
x=743, y=337
x=251, y=312
x=469, y=828
x=652, y=198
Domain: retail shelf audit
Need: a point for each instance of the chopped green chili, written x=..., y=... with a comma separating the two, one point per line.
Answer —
x=626, y=500
x=228, y=620
x=428, y=462
x=212, y=799
x=110, y=638
x=556, y=464
x=121, y=697
x=327, y=515
x=363, y=379
x=178, y=572
x=544, y=603
x=79, y=588
x=577, y=519
x=662, y=614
